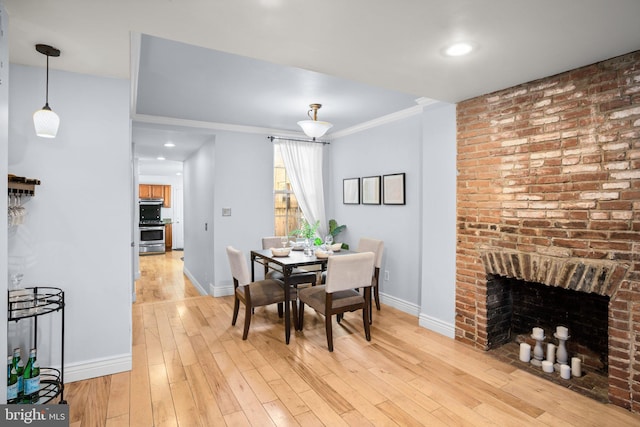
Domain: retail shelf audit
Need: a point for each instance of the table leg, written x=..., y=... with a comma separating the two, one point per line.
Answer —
x=287, y=314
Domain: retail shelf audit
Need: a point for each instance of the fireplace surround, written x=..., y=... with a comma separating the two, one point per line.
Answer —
x=548, y=192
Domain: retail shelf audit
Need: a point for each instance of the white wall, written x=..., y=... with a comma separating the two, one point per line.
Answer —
x=78, y=232
x=390, y=148
x=419, y=237
x=234, y=172
x=4, y=142
x=437, y=311
x=199, y=182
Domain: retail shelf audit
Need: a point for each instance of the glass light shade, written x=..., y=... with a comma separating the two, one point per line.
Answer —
x=46, y=122
x=314, y=128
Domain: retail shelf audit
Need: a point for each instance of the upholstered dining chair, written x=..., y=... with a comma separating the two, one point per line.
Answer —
x=345, y=274
x=252, y=294
x=367, y=244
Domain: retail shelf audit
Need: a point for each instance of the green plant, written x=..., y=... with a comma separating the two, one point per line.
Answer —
x=335, y=229
x=307, y=231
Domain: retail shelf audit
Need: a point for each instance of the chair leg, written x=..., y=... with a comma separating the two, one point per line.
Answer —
x=280, y=310
x=377, y=296
x=247, y=322
x=236, y=309
x=301, y=315
x=296, y=320
x=327, y=321
x=339, y=317
x=370, y=306
x=365, y=321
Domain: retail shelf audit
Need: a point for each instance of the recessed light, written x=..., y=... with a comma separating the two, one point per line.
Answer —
x=458, y=49
x=178, y=173
x=160, y=158
x=169, y=144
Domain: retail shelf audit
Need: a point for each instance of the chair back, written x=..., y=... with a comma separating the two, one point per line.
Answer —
x=349, y=271
x=366, y=244
x=271, y=242
x=238, y=264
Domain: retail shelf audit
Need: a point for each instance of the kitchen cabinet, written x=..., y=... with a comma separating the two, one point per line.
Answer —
x=168, y=240
x=156, y=191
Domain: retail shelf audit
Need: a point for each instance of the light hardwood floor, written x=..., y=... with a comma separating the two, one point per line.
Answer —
x=191, y=368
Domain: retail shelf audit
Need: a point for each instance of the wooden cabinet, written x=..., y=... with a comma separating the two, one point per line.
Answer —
x=166, y=195
x=156, y=191
x=168, y=238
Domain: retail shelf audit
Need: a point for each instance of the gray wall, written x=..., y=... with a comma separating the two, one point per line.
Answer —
x=4, y=142
x=78, y=230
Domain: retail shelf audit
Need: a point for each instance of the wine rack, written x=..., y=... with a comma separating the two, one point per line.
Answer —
x=32, y=303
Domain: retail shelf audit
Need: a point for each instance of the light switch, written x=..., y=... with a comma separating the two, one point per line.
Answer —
x=226, y=211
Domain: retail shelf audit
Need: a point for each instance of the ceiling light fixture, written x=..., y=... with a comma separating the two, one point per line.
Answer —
x=314, y=128
x=169, y=144
x=160, y=158
x=45, y=120
x=459, y=49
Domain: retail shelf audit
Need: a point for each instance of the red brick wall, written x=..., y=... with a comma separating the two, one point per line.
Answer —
x=552, y=168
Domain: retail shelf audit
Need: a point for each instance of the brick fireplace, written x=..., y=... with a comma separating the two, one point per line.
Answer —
x=549, y=192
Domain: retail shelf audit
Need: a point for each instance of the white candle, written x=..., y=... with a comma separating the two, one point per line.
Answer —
x=576, y=367
x=562, y=332
x=547, y=366
x=538, y=333
x=525, y=352
x=551, y=352
x=565, y=372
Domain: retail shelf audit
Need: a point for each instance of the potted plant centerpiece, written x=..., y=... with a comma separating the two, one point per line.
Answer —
x=308, y=232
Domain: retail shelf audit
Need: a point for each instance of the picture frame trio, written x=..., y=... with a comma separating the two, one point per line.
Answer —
x=371, y=190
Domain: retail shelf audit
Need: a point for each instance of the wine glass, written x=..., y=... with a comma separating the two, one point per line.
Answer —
x=328, y=240
x=284, y=240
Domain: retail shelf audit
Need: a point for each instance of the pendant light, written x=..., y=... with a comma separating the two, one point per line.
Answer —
x=314, y=128
x=45, y=120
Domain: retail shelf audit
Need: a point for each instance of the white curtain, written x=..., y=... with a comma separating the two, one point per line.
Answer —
x=303, y=162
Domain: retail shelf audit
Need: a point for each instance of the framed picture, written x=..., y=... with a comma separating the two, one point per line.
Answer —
x=351, y=191
x=371, y=190
x=393, y=189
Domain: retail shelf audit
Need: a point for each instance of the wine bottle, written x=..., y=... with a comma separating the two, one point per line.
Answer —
x=12, y=382
x=31, y=379
x=18, y=364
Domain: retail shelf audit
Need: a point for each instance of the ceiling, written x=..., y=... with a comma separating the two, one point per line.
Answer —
x=255, y=65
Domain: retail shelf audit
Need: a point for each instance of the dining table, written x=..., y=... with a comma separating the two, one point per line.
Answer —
x=287, y=264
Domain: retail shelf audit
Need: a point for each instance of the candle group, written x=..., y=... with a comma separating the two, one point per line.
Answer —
x=565, y=372
x=538, y=333
x=547, y=366
x=576, y=367
x=525, y=352
x=562, y=332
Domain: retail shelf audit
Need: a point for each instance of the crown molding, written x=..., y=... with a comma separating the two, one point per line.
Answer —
x=398, y=115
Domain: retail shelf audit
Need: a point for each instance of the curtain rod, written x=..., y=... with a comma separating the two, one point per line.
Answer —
x=299, y=140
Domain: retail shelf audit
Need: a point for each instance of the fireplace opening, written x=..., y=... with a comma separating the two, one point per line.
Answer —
x=515, y=307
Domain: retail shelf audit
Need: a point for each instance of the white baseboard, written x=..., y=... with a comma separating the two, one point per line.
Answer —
x=437, y=325
x=425, y=321
x=195, y=283
x=96, y=368
x=220, y=291
x=400, y=304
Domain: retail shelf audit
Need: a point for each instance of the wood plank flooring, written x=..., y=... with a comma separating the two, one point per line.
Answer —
x=191, y=368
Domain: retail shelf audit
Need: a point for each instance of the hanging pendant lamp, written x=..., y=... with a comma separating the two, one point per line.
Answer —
x=314, y=128
x=45, y=120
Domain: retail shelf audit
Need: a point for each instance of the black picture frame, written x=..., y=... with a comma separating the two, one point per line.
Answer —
x=351, y=191
x=393, y=186
x=371, y=190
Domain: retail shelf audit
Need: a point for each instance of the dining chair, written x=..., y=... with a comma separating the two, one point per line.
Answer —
x=345, y=275
x=367, y=244
x=252, y=294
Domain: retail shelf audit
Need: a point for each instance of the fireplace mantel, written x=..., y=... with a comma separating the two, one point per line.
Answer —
x=601, y=277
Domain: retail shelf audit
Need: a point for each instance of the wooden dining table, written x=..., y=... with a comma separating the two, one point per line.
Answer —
x=287, y=264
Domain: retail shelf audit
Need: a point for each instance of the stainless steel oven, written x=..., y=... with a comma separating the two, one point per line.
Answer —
x=151, y=239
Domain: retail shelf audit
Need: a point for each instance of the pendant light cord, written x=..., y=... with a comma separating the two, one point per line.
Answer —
x=46, y=102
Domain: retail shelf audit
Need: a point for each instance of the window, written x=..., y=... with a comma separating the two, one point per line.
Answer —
x=286, y=210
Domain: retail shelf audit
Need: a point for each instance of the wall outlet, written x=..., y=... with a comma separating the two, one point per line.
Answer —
x=386, y=275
